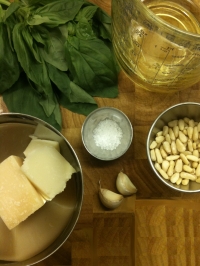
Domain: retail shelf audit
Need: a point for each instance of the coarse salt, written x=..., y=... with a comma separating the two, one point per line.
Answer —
x=107, y=134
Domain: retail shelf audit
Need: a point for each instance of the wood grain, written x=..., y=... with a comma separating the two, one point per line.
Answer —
x=156, y=227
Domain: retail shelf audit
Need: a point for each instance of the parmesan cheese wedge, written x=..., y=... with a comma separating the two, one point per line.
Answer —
x=34, y=143
x=47, y=170
x=18, y=198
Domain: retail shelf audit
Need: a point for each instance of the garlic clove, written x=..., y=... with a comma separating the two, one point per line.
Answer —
x=124, y=185
x=109, y=198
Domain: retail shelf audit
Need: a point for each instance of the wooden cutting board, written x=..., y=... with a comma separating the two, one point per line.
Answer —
x=157, y=226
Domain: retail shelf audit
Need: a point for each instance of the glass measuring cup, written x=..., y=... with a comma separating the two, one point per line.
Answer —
x=157, y=42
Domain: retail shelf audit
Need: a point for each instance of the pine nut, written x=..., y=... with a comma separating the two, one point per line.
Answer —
x=174, y=178
x=198, y=180
x=178, y=166
x=198, y=170
x=196, y=153
x=178, y=182
x=186, y=175
x=195, y=134
x=163, y=152
x=172, y=157
x=165, y=165
x=160, y=139
x=181, y=124
x=153, y=145
x=194, y=145
x=180, y=146
x=190, y=146
x=165, y=130
x=183, y=138
x=166, y=146
x=198, y=127
x=163, y=174
x=157, y=166
x=190, y=132
x=187, y=168
x=159, y=133
x=167, y=138
x=173, y=148
x=185, y=182
x=153, y=155
x=158, y=156
x=176, y=131
x=186, y=120
x=185, y=131
x=170, y=170
x=192, y=158
x=184, y=158
x=187, y=153
x=173, y=123
x=195, y=164
x=191, y=123
x=171, y=134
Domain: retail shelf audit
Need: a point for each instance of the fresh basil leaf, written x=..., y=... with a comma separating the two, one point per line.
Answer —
x=54, y=51
x=21, y=92
x=60, y=79
x=86, y=13
x=102, y=24
x=32, y=2
x=10, y=10
x=39, y=34
x=79, y=108
x=9, y=66
x=2, y=13
x=34, y=70
x=70, y=95
x=56, y=13
x=71, y=90
x=92, y=66
x=29, y=41
x=84, y=30
x=78, y=95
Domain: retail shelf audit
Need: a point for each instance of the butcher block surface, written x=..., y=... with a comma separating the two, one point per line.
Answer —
x=155, y=227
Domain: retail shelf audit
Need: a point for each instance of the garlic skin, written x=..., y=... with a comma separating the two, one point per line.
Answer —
x=124, y=185
x=110, y=199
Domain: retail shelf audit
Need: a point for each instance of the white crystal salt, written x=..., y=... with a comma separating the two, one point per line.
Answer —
x=107, y=134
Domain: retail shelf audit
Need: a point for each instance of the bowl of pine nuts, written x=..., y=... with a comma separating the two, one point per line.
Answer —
x=173, y=147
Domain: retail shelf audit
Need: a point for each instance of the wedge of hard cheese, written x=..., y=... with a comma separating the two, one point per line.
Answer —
x=34, y=143
x=47, y=170
x=18, y=198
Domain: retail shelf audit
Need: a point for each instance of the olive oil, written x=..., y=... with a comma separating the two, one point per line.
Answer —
x=176, y=15
x=158, y=47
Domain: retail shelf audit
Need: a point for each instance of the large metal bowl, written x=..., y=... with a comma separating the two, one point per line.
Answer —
x=48, y=228
x=187, y=109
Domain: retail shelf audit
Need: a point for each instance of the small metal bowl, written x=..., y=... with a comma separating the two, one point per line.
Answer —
x=179, y=111
x=43, y=232
x=107, y=133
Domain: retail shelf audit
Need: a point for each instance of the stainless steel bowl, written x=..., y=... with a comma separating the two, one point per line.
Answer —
x=103, y=149
x=48, y=228
x=187, y=109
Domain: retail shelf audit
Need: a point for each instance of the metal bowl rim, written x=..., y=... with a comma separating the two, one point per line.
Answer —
x=148, y=152
x=96, y=111
x=36, y=119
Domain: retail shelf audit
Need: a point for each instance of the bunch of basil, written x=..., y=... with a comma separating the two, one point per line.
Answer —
x=55, y=53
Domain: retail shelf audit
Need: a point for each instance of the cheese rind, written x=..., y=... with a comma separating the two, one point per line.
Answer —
x=34, y=143
x=18, y=198
x=47, y=170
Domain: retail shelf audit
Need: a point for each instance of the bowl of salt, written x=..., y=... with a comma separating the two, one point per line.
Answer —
x=107, y=133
